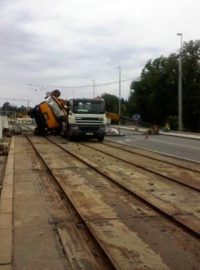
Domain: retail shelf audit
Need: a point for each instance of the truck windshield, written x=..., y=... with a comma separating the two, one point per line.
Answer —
x=89, y=106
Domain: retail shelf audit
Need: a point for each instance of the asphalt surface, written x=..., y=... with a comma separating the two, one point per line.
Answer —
x=171, y=145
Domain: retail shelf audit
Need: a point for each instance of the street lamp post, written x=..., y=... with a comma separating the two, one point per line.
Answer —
x=119, y=98
x=93, y=88
x=180, y=113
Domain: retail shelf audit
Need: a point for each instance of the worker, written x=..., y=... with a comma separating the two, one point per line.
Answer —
x=153, y=130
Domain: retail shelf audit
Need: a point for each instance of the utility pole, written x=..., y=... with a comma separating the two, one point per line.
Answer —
x=1, y=127
x=180, y=99
x=93, y=88
x=28, y=102
x=119, y=98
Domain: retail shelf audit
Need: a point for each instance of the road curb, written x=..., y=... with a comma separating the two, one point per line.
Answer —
x=6, y=212
x=186, y=136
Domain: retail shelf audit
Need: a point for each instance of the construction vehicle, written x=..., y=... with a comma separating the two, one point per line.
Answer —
x=76, y=118
x=86, y=118
x=49, y=114
x=113, y=116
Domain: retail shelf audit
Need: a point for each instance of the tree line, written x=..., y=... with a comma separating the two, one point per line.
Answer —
x=12, y=110
x=154, y=95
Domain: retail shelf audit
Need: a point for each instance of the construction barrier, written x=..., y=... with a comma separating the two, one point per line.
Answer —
x=3, y=124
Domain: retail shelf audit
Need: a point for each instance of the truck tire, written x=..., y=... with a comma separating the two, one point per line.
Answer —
x=64, y=132
x=100, y=138
x=40, y=132
x=65, y=135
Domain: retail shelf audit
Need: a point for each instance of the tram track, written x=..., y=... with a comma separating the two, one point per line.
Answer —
x=181, y=216
x=155, y=155
x=79, y=245
x=172, y=171
x=188, y=177
x=95, y=219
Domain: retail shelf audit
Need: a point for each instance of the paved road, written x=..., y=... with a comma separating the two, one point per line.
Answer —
x=181, y=147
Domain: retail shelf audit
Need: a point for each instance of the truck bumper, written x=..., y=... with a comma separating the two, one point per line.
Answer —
x=83, y=131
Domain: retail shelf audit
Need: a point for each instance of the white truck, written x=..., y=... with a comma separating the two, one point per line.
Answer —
x=86, y=118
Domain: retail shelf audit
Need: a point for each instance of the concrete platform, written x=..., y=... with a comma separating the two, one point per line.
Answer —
x=27, y=237
x=6, y=212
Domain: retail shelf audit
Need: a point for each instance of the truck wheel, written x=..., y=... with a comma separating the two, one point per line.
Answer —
x=100, y=138
x=64, y=133
x=40, y=132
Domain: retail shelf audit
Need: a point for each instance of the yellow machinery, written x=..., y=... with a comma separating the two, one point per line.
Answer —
x=49, y=115
x=113, y=116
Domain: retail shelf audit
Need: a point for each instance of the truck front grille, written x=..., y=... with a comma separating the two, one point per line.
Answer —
x=89, y=120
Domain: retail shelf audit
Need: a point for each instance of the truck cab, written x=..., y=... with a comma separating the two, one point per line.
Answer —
x=86, y=118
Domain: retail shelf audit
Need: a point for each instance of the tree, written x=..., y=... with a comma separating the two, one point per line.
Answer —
x=6, y=106
x=112, y=102
x=11, y=109
x=155, y=94
x=191, y=85
x=155, y=89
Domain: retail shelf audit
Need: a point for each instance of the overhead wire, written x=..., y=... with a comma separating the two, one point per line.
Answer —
x=16, y=99
x=75, y=87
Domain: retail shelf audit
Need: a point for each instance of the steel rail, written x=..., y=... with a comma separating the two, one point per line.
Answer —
x=189, y=185
x=194, y=162
x=110, y=263
x=192, y=228
x=174, y=215
x=155, y=152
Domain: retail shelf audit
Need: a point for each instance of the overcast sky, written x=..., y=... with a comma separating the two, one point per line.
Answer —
x=72, y=42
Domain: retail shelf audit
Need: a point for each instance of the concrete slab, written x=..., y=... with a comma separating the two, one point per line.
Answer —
x=6, y=267
x=146, y=242
x=10, y=163
x=7, y=192
x=6, y=212
x=36, y=243
x=8, y=177
x=6, y=205
x=5, y=221
x=6, y=246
